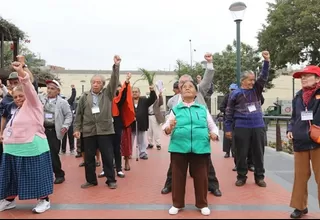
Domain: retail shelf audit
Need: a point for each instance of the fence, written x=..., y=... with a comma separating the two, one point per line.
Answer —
x=276, y=128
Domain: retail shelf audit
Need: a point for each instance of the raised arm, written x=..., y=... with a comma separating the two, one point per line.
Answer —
x=114, y=80
x=160, y=103
x=263, y=77
x=29, y=91
x=205, y=83
x=152, y=98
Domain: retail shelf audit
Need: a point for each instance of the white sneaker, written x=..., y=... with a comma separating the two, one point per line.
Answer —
x=6, y=205
x=120, y=174
x=42, y=206
x=101, y=174
x=205, y=211
x=173, y=210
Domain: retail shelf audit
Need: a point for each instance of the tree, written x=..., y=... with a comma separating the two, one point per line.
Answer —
x=225, y=66
x=35, y=64
x=292, y=32
x=146, y=75
x=183, y=68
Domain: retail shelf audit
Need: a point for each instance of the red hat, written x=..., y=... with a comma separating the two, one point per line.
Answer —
x=307, y=70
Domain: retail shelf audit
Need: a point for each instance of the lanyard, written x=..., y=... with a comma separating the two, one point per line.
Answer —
x=250, y=98
x=13, y=116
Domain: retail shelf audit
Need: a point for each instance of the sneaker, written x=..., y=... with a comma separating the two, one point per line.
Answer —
x=101, y=175
x=205, y=211
x=42, y=206
x=6, y=205
x=120, y=174
x=173, y=210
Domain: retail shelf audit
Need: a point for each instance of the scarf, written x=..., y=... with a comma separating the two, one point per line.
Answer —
x=308, y=92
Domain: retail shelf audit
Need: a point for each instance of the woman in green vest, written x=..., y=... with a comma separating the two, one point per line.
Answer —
x=191, y=127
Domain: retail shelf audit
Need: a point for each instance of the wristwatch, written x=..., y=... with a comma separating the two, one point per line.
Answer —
x=25, y=66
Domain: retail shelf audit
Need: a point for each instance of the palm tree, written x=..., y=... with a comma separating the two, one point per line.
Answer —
x=146, y=75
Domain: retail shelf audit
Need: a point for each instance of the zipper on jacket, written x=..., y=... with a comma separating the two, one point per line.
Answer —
x=191, y=127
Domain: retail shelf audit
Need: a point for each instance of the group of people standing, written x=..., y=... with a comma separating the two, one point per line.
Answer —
x=111, y=115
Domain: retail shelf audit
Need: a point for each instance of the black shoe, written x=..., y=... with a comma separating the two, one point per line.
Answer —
x=150, y=146
x=63, y=152
x=59, y=180
x=298, y=214
x=101, y=175
x=240, y=182
x=81, y=164
x=78, y=155
x=261, y=183
x=216, y=192
x=165, y=190
x=158, y=147
x=234, y=169
x=145, y=157
x=227, y=155
x=251, y=168
x=112, y=185
x=87, y=185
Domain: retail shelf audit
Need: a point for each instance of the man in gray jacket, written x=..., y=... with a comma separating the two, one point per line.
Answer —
x=203, y=88
x=94, y=120
x=57, y=120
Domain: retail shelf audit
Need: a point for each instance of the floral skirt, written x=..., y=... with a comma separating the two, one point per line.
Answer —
x=126, y=142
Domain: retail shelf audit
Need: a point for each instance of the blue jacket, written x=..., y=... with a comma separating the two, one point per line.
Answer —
x=300, y=129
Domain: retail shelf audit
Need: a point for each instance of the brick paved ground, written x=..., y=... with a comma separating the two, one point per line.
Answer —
x=138, y=195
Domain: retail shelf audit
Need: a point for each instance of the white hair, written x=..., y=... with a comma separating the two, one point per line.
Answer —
x=246, y=74
x=102, y=78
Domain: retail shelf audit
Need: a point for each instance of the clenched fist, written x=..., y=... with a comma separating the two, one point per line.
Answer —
x=208, y=57
x=266, y=55
x=117, y=60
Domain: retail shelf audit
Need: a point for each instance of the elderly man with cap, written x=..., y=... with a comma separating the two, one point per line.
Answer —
x=57, y=120
x=303, y=130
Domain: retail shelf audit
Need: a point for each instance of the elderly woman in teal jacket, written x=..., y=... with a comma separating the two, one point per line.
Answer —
x=191, y=127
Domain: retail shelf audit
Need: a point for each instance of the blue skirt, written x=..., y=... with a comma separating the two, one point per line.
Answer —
x=26, y=177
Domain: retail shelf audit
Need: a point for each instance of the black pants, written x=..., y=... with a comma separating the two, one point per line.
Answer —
x=244, y=139
x=54, y=144
x=68, y=135
x=212, y=178
x=105, y=144
x=1, y=152
x=117, y=150
x=234, y=154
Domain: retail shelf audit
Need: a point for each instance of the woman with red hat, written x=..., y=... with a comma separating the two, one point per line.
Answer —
x=304, y=133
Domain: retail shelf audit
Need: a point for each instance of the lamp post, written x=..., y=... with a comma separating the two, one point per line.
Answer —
x=190, y=53
x=237, y=9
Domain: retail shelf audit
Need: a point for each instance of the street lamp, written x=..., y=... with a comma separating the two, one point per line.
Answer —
x=237, y=9
x=190, y=53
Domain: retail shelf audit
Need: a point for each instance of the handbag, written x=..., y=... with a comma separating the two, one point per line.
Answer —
x=314, y=133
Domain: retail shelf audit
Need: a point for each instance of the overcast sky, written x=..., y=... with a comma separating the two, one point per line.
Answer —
x=153, y=34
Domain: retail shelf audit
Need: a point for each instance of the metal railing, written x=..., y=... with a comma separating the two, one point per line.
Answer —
x=268, y=122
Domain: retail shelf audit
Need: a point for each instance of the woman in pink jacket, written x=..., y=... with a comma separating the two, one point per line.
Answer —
x=26, y=169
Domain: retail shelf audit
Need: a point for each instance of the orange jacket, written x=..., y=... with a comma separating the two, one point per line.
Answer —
x=127, y=110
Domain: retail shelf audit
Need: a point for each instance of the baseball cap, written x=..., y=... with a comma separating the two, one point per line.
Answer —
x=176, y=85
x=233, y=86
x=307, y=70
x=53, y=82
x=13, y=75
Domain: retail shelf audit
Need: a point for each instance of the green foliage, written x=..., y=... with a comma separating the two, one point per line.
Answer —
x=292, y=32
x=146, y=75
x=183, y=68
x=10, y=31
x=225, y=66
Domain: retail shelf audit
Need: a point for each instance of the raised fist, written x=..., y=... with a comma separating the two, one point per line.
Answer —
x=208, y=57
x=117, y=60
x=266, y=55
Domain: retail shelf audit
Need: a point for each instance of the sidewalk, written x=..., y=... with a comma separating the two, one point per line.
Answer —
x=138, y=194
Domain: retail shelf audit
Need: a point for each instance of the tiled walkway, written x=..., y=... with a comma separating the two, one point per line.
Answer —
x=138, y=194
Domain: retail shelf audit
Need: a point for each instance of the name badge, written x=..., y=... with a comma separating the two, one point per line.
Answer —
x=9, y=132
x=48, y=115
x=252, y=108
x=306, y=116
x=95, y=110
